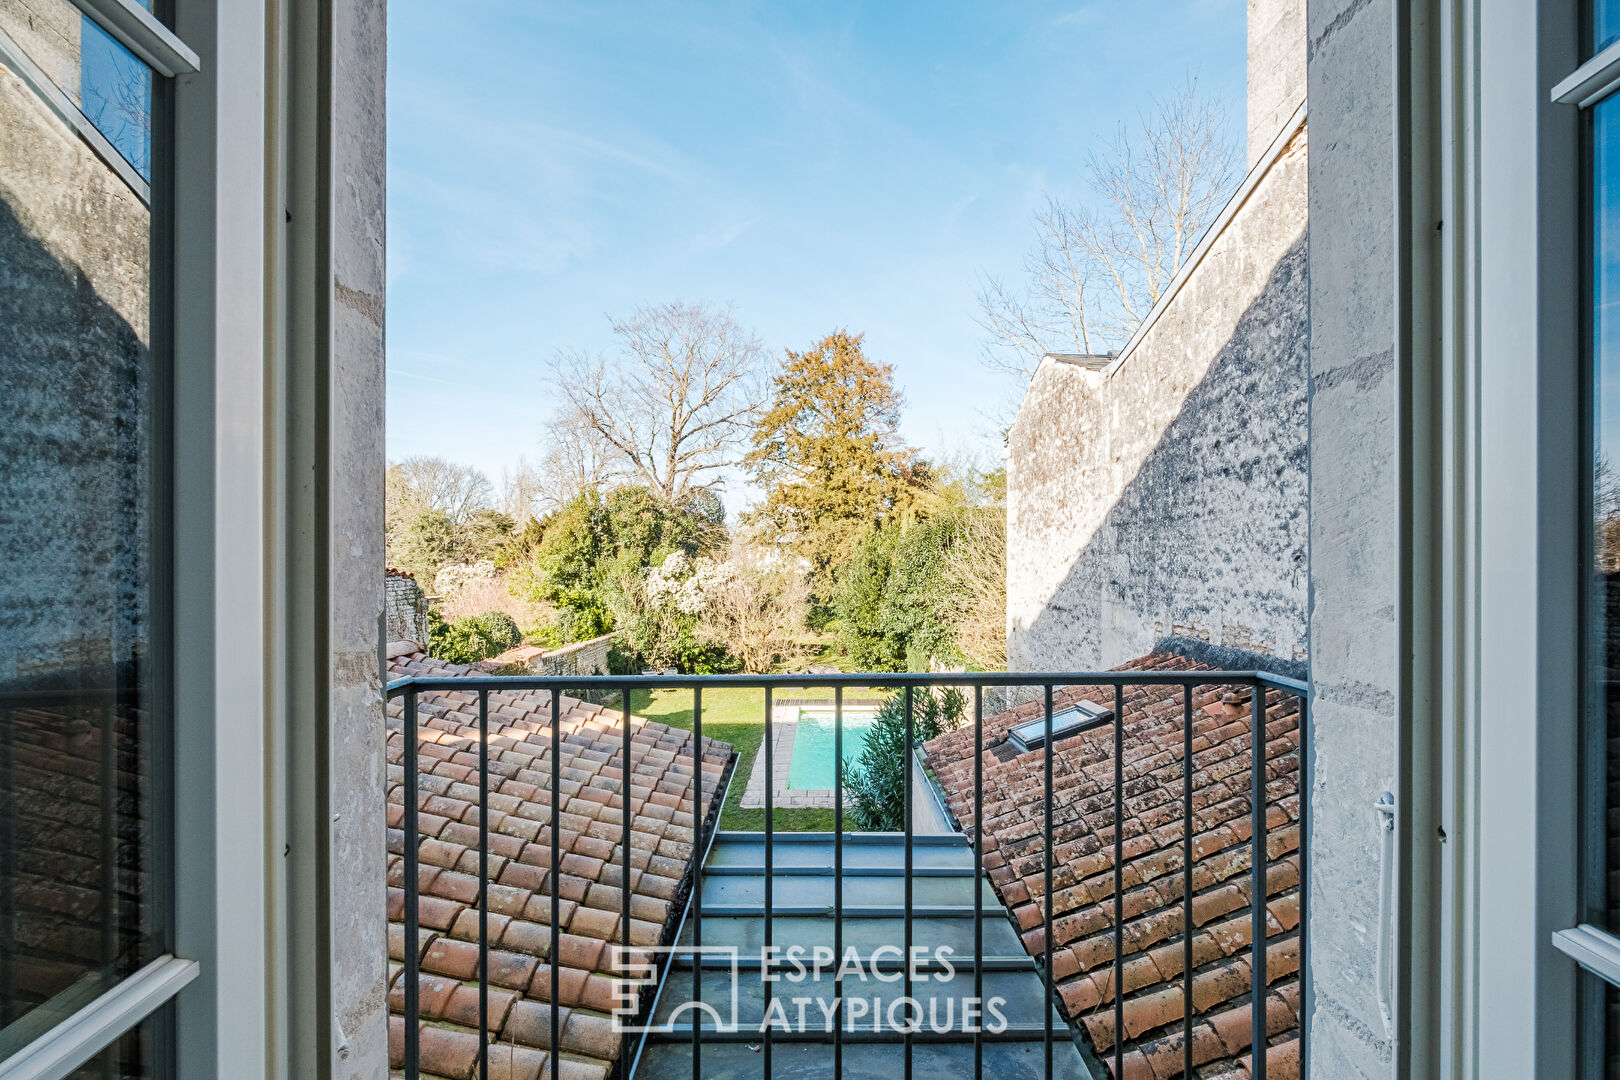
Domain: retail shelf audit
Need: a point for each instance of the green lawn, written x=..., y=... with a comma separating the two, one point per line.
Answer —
x=737, y=716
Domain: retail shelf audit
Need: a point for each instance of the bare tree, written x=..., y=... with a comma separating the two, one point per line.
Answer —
x=976, y=563
x=577, y=458
x=432, y=483
x=1096, y=270
x=522, y=494
x=675, y=401
x=758, y=607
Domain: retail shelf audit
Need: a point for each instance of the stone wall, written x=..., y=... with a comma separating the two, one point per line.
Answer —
x=1353, y=536
x=1166, y=496
x=405, y=608
x=580, y=658
x=1276, y=70
x=359, y=931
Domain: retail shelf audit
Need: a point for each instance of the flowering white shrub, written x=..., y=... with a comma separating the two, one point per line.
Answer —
x=457, y=576
x=687, y=585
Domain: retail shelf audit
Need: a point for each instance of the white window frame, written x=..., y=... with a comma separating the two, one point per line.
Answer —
x=1489, y=866
x=226, y=834
x=142, y=34
x=1595, y=949
x=93, y=1028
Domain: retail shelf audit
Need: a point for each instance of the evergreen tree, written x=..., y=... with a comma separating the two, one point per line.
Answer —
x=827, y=451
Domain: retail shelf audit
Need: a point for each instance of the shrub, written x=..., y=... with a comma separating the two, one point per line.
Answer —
x=471, y=638
x=592, y=555
x=877, y=781
x=622, y=661
x=757, y=607
x=858, y=602
x=663, y=609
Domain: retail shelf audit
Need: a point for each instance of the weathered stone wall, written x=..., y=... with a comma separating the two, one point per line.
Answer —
x=404, y=609
x=1353, y=540
x=1276, y=69
x=76, y=379
x=49, y=33
x=580, y=658
x=1166, y=497
x=358, y=401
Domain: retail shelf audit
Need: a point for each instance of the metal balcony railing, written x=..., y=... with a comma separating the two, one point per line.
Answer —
x=1264, y=689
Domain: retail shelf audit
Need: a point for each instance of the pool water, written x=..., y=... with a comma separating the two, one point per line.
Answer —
x=811, y=767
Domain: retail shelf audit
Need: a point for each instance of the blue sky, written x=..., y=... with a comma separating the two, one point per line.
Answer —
x=812, y=165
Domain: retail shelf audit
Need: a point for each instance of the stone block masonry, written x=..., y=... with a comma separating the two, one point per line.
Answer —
x=1165, y=496
x=405, y=607
x=578, y=658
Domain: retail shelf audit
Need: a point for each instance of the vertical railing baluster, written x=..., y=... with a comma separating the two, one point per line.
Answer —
x=556, y=877
x=1186, y=879
x=410, y=881
x=697, y=880
x=838, y=876
x=911, y=734
x=1304, y=879
x=624, y=893
x=1119, y=879
x=1257, y=887
x=978, y=887
x=770, y=868
x=483, y=883
x=1046, y=908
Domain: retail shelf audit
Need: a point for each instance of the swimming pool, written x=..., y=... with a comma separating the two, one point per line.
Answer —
x=811, y=767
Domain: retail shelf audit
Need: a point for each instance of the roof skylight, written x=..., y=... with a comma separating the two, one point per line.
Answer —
x=1078, y=717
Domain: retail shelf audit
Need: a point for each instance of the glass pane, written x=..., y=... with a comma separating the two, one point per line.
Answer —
x=103, y=81
x=116, y=90
x=82, y=647
x=132, y=1056
x=1603, y=603
x=1602, y=26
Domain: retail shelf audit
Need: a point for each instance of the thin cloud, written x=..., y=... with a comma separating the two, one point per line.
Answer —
x=1084, y=16
x=725, y=237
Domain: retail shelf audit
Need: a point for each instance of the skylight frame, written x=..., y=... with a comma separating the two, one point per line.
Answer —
x=1071, y=720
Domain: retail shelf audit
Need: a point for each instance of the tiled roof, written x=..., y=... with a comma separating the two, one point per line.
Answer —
x=591, y=861
x=1083, y=868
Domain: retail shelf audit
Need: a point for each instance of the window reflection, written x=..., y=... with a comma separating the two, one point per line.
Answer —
x=82, y=649
x=1603, y=592
x=101, y=81
x=116, y=95
x=1604, y=25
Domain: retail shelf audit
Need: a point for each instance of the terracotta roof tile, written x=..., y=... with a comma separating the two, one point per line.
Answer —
x=590, y=818
x=1152, y=874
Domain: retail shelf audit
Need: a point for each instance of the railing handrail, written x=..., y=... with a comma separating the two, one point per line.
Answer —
x=889, y=680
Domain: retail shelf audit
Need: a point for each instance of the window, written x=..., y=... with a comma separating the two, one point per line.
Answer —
x=1603, y=26
x=1079, y=717
x=85, y=852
